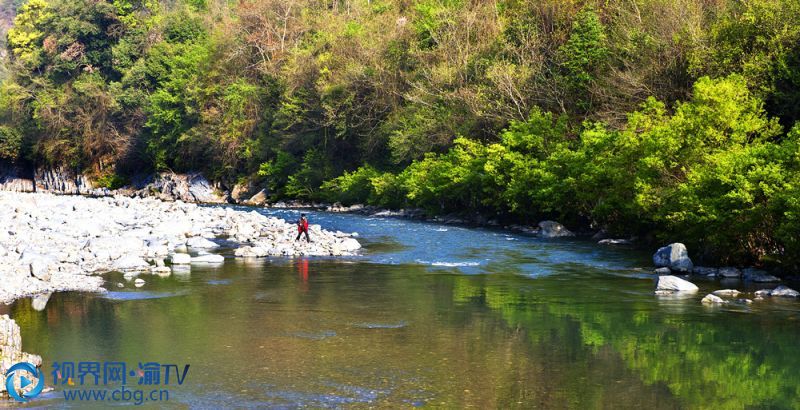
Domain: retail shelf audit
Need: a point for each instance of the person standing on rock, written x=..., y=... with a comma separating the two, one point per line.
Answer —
x=302, y=227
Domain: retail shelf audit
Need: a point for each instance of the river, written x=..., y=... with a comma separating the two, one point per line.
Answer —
x=430, y=315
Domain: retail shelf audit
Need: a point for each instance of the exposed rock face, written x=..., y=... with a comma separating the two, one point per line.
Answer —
x=53, y=243
x=552, y=229
x=13, y=179
x=673, y=256
x=669, y=283
x=62, y=181
x=242, y=192
x=192, y=187
x=11, y=349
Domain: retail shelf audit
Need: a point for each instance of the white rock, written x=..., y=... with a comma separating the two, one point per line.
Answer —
x=131, y=263
x=675, y=284
x=673, y=256
x=208, y=259
x=40, y=269
x=731, y=293
x=139, y=282
x=181, y=259
x=199, y=242
x=712, y=300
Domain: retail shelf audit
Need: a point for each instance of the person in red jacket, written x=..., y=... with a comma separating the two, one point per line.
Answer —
x=302, y=227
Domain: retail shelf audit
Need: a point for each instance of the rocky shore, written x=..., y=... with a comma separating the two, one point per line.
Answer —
x=54, y=243
x=11, y=349
x=673, y=259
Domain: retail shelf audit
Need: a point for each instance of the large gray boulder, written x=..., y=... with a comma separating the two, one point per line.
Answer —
x=552, y=229
x=673, y=256
x=669, y=283
x=192, y=187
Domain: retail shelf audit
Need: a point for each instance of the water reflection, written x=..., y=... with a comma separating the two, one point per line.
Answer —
x=534, y=324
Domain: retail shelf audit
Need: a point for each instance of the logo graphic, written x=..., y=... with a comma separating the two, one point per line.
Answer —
x=27, y=389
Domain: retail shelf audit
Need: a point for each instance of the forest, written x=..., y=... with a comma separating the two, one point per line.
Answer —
x=661, y=119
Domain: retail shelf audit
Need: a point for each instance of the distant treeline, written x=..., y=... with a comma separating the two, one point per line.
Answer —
x=666, y=119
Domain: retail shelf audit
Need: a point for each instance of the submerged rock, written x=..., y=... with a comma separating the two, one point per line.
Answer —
x=729, y=272
x=785, y=292
x=671, y=283
x=198, y=242
x=711, y=299
x=663, y=271
x=673, y=256
x=552, y=229
x=704, y=271
x=181, y=259
x=731, y=293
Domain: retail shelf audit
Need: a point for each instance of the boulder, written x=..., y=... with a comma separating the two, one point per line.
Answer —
x=760, y=294
x=131, y=263
x=729, y=272
x=712, y=300
x=259, y=199
x=785, y=292
x=704, y=271
x=242, y=191
x=11, y=348
x=349, y=245
x=552, y=229
x=673, y=256
x=731, y=293
x=675, y=284
x=40, y=269
x=199, y=242
x=663, y=271
x=181, y=259
x=39, y=302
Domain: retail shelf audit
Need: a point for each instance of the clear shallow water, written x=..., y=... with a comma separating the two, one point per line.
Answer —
x=433, y=316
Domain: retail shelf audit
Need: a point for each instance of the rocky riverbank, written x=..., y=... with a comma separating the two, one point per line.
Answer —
x=11, y=349
x=54, y=243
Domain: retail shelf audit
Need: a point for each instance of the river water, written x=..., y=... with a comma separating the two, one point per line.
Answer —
x=430, y=316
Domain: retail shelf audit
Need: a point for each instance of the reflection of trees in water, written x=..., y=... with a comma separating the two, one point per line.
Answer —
x=722, y=361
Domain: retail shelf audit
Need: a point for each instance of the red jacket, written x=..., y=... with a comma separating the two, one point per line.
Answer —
x=302, y=225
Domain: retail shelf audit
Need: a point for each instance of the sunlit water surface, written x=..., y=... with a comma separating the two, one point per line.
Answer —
x=430, y=316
